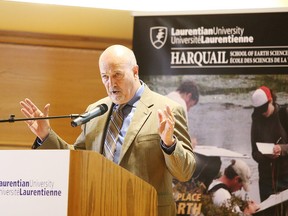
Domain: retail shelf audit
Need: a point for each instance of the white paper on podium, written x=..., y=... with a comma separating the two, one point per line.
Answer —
x=265, y=148
x=273, y=200
x=28, y=178
x=216, y=151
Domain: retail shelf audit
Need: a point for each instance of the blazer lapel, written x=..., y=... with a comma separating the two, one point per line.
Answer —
x=140, y=116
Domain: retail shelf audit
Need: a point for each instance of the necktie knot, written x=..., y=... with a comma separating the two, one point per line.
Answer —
x=119, y=109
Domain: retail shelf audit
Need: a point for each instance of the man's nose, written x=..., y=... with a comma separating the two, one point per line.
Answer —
x=111, y=81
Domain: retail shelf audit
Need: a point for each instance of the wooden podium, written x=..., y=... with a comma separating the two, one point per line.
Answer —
x=42, y=181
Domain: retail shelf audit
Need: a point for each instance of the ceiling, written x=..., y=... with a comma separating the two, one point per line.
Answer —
x=110, y=18
x=167, y=5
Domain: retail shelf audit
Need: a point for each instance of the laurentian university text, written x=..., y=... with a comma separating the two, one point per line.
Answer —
x=28, y=188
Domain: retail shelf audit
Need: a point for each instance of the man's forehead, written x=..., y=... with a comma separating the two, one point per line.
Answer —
x=113, y=66
x=111, y=71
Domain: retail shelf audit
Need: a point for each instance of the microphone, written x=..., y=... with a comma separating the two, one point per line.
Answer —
x=85, y=117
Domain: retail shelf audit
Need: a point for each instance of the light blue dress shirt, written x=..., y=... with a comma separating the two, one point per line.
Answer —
x=128, y=113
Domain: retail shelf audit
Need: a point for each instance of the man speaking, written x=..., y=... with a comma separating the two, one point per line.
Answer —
x=142, y=131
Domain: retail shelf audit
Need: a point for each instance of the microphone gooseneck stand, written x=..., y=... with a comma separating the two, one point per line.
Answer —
x=13, y=119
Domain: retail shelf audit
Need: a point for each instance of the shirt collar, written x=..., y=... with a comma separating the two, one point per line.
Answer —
x=136, y=97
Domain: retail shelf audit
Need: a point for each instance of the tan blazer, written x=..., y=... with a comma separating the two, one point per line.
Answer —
x=141, y=152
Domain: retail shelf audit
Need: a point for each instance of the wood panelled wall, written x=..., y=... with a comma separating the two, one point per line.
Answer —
x=56, y=69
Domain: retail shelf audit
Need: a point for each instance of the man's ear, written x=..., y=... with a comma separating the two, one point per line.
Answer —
x=187, y=96
x=239, y=180
x=135, y=70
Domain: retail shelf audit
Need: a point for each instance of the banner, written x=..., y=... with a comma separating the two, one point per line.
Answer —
x=227, y=56
x=211, y=44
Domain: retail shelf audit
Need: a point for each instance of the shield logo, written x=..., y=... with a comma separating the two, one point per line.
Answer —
x=158, y=36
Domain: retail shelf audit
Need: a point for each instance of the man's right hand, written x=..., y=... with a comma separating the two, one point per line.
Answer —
x=40, y=128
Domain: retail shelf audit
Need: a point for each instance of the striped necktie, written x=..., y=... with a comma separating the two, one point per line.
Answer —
x=113, y=130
